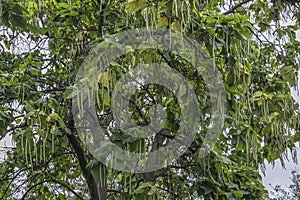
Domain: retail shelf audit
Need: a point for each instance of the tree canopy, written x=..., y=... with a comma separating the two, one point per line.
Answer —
x=43, y=45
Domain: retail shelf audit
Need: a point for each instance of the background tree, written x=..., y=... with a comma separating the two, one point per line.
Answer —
x=43, y=44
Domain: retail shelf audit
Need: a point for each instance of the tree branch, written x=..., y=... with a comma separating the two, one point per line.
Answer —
x=232, y=10
x=92, y=185
x=67, y=186
x=33, y=186
x=83, y=163
x=54, y=181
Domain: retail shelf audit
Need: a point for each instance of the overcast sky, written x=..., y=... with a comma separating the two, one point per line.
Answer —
x=278, y=175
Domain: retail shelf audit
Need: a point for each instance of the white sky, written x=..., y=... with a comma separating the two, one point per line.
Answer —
x=278, y=175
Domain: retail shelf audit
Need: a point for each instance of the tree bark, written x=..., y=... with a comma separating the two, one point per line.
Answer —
x=79, y=151
x=92, y=185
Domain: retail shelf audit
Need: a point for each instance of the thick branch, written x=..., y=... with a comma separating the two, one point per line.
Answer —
x=101, y=19
x=79, y=151
x=83, y=163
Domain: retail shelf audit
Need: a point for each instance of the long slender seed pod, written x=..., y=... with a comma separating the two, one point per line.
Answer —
x=125, y=183
x=247, y=146
x=41, y=149
x=44, y=146
x=102, y=95
x=146, y=19
x=213, y=52
x=116, y=157
x=88, y=96
x=108, y=82
x=78, y=100
x=35, y=151
x=52, y=142
x=81, y=102
x=227, y=44
x=104, y=175
x=22, y=144
x=139, y=150
x=26, y=151
x=175, y=7
x=23, y=93
x=129, y=183
x=100, y=174
x=111, y=161
x=30, y=155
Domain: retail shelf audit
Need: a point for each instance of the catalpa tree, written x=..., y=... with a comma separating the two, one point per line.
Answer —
x=140, y=99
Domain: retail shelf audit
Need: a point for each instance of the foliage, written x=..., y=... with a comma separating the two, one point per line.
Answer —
x=43, y=44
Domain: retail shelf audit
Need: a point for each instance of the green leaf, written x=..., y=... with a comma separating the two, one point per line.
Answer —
x=134, y=5
x=32, y=7
x=19, y=21
x=163, y=22
x=70, y=92
x=206, y=189
x=232, y=185
x=176, y=26
x=238, y=194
